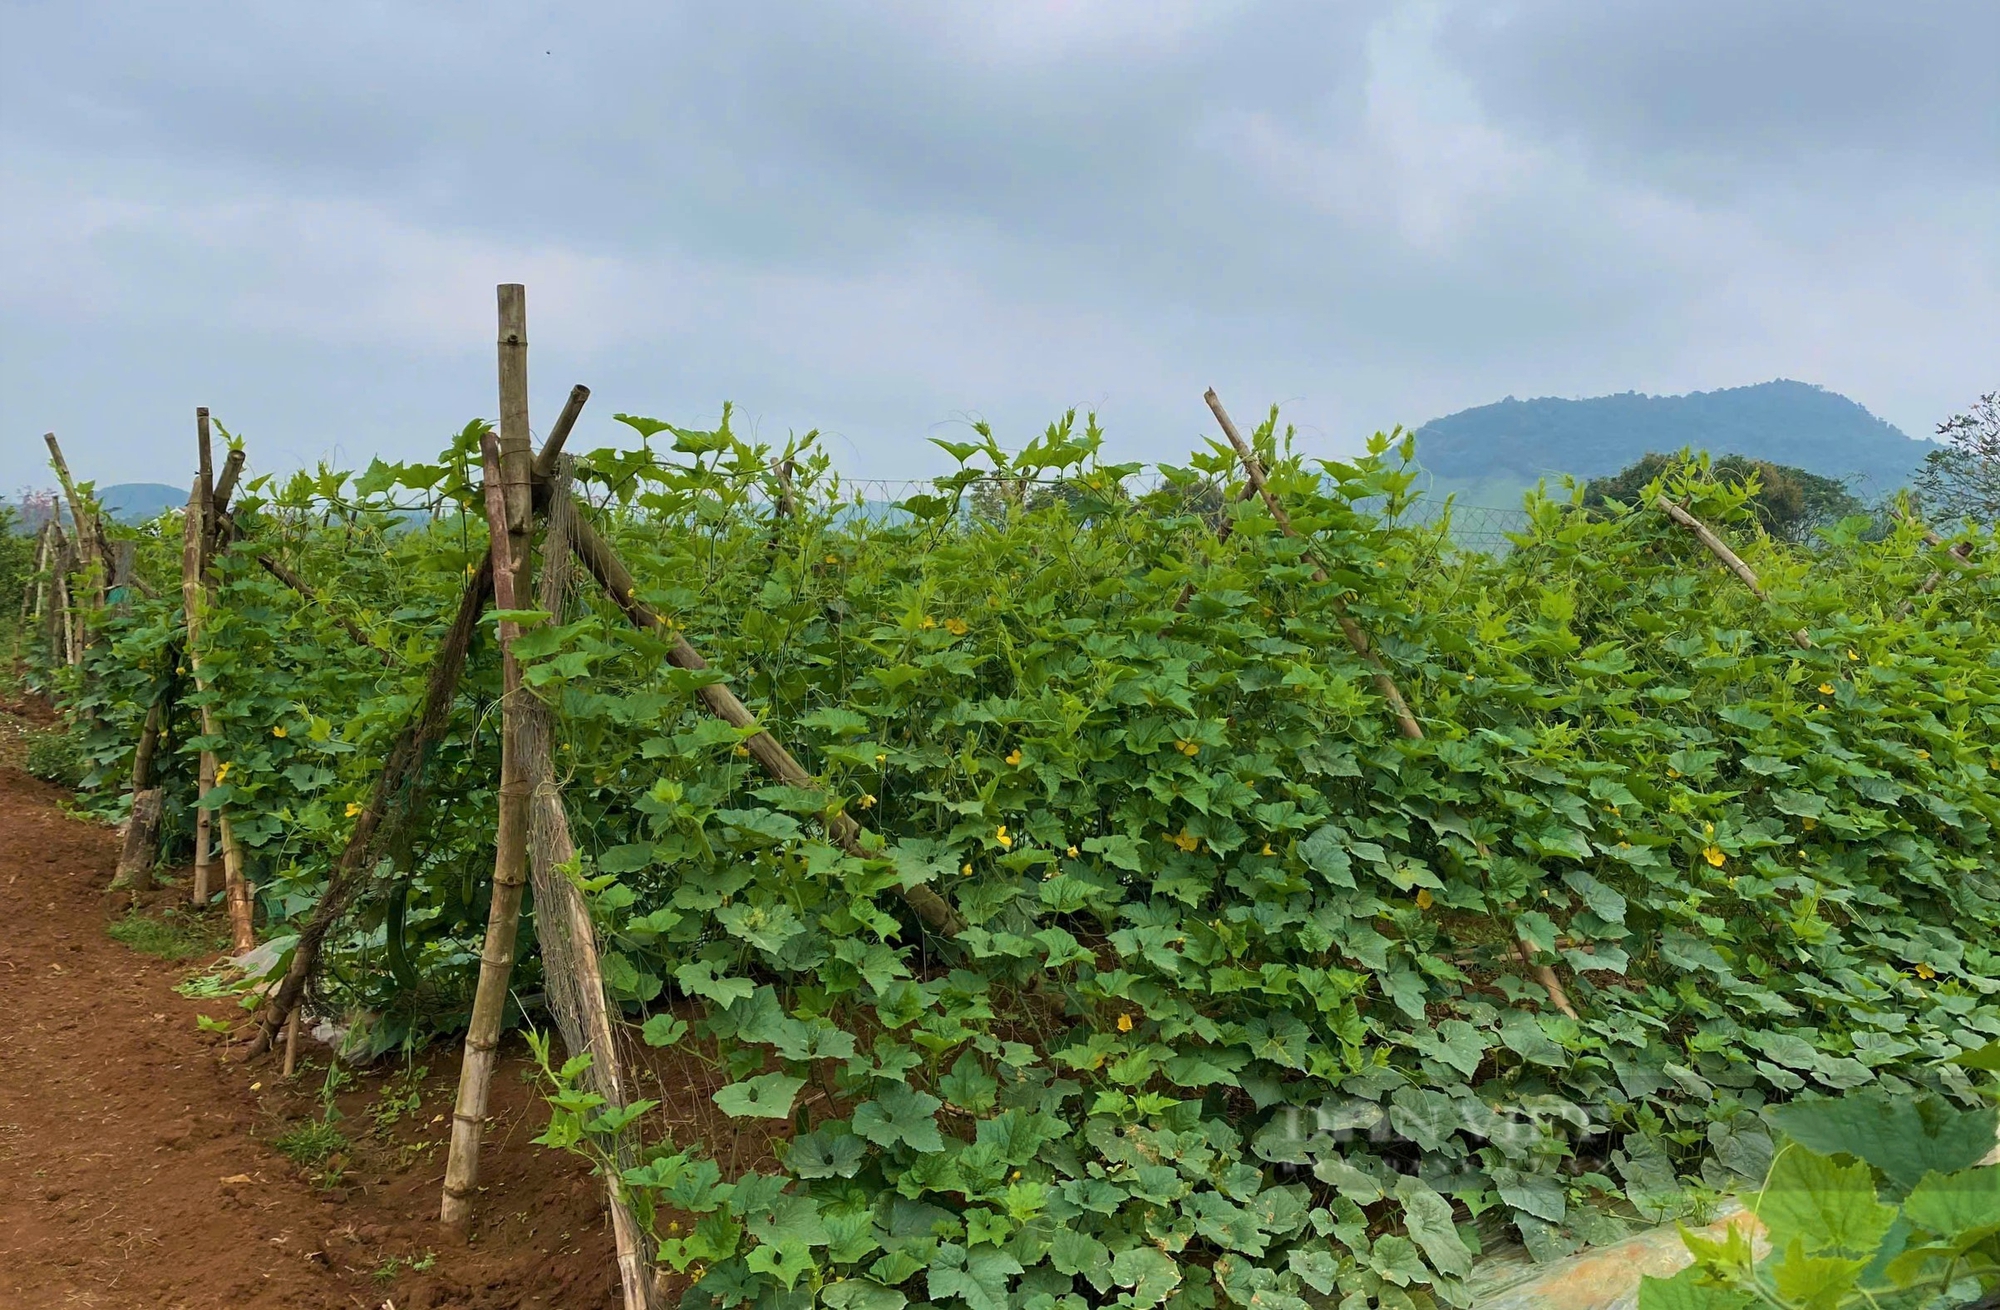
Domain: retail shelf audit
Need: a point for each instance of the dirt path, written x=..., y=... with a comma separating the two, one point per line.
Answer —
x=136, y=1168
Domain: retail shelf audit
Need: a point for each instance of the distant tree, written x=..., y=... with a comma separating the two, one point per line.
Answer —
x=1790, y=502
x=1962, y=481
x=17, y=561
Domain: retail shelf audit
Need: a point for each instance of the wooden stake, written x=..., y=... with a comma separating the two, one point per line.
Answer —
x=396, y=796
x=1253, y=470
x=1720, y=549
x=618, y=583
x=510, y=865
x=142, y=836
x=292, y=1041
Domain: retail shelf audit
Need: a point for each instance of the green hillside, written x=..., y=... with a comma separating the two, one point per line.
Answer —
x=1489, y=454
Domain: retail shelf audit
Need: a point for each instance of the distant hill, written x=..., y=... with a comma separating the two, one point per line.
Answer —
x=135, y=502
x=1490, y=454
x=127, y=502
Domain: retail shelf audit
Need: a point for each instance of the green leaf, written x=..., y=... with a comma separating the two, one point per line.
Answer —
x=900, y=1114
x=1904, y=1137
x=1961, y=1208
x=1814, y=1282
x=1427, y=1217
x=980, y=1278
x=1826, y=1206
x=861, y=1294
x=1684, y=1291
x=768, y=1096
x=1149, y=1272
x=663, y=1030
x=825, y=1154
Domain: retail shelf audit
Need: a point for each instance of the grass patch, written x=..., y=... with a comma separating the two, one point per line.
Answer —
x=170, y=936
x=311, y=1144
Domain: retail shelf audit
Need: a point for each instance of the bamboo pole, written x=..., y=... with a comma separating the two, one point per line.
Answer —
x=89, y=534
x=395, y=797
x=1730, y=559
x=142, y=835
x=510, y=863
x=545, y=461
x=191, y=597
x=610, y=571
x=1253, y=470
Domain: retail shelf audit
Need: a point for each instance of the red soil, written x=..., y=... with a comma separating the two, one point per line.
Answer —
x=135, y=1161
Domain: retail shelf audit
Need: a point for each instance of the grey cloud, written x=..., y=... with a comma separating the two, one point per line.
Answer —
x=879, y=218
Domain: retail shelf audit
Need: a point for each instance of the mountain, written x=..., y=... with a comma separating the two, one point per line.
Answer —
x=126, y=502
x=1490, y=454
x=135, y=502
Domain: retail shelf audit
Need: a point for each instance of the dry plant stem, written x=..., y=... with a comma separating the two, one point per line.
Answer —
x=617, y=580
x=1253, y=471
x=558, y=901
x=509, y=491
x=398, y=785
x=1547, y=978
x=1731, y=560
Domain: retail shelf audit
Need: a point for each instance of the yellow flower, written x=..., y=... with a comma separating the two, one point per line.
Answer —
x=866, y=802
x=929, y=622
x=1851, y=655
x=741, y=749
x=1923, y=755
x=833, y=559
x=1826, y=689
x=278, y=731
x=1015, y=1176
x=1925, y=971
x=1714, y=855
x=1124, y=1023
x=1185, y=840
x=1809, y=823
x=1673, y=773
x=1424, y=898
x=1014, y=756
x=965, y=868
x=1708, y=830
x=1072, y=852
x=956, y=627
x=1000, y=835
x=1186, y=748
x=1267, y=850
x=881, y=759
x=221, y=772
x=353, y=808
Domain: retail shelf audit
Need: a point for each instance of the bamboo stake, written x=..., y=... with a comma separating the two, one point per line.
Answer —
x=510, y=867
x=399, y=783
x=225, y=481
x=1253, y=470
x=191, y=597
x=142, y=835
x=1730, y=559
x=617, y=580
x=89, y=533
x=545, y=462
x=292, y=1043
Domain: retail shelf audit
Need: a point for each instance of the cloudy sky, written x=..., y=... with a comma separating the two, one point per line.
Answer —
x=885, y=219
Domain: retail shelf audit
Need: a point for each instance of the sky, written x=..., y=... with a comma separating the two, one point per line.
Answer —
x=887, y=220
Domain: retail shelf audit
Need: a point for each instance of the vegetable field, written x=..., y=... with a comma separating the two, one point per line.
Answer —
x=1196, y=885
